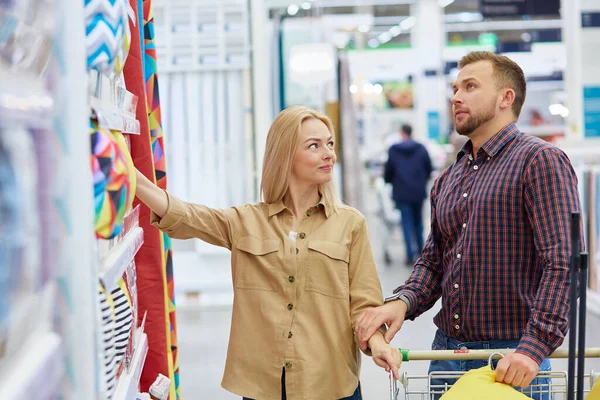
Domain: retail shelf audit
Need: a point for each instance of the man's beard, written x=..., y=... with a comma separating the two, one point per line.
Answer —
x=475, y=121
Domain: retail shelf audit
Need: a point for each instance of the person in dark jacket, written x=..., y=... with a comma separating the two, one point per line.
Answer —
x=408, y=169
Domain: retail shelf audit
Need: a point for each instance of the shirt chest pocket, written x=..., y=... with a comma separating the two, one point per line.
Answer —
x=256, y=264
x=327, y=271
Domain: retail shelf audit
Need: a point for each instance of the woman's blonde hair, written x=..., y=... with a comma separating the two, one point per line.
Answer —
x=282, y=142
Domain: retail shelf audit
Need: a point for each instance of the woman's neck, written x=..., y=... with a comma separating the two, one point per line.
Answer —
x=300, y=198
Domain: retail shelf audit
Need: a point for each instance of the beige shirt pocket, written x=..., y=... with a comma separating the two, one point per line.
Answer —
x=328, y=269
x=256, y=266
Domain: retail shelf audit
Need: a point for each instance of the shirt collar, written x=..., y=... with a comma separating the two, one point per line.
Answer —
x=494, y=144
x=276, y=208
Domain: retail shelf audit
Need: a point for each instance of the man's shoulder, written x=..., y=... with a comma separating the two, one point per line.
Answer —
x=533, y=146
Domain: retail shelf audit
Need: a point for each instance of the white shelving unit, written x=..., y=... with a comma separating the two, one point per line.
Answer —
x=113, y=266
x=127, y=388
x=543, y=130
x=37, y=372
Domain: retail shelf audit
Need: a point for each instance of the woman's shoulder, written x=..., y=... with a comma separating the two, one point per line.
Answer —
x=348, y=212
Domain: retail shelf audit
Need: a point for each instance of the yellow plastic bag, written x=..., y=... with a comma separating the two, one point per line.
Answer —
x=595, y=392
x=480, y=384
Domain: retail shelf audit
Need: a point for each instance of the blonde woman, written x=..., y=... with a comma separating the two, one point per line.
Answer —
x=302, y=270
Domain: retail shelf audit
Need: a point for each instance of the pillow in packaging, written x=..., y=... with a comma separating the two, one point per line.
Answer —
x=480, y=384
x=112, y=189
x=108, y=37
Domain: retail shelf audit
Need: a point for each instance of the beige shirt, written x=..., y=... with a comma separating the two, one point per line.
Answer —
x=295, y=302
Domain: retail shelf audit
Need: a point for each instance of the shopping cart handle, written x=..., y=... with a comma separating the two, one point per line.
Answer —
x=467, y=354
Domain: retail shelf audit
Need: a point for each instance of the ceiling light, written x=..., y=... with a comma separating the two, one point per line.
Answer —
x=306, y=5
x=293, y=9
x=408, y=23
x=385, y=37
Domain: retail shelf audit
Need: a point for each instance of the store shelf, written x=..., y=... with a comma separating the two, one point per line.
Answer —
x=593, y=302
x=127, y=388
x=112, y=105
x=543, y=130
x=37, y=373
x=114, y=120
x=116, y=261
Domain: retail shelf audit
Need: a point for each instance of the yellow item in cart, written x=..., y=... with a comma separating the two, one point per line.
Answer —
x=480, y=384
x=595, y=392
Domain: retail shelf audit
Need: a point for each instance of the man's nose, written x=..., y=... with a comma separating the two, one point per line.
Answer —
x=456, y=99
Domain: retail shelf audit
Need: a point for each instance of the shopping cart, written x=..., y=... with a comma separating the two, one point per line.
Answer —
x=420, y=387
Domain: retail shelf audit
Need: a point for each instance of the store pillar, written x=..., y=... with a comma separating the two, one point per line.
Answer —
x=428, y=39
x=581, y=34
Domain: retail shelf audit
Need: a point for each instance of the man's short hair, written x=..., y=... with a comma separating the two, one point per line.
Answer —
x=407, y=129
x=507, y=73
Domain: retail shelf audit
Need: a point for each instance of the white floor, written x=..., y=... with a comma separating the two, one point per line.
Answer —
x=204, y=320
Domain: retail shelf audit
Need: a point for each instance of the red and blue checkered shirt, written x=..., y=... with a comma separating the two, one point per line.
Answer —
x=499, y=249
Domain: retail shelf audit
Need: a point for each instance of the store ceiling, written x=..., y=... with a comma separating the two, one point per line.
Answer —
x=388, y=13
x=380, y=7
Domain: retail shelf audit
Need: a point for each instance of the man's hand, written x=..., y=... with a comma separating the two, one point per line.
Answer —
x=517, y=370
x=384, y=355
x=370, y=320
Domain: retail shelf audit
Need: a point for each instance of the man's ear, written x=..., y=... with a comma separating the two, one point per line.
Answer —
x=508, y=98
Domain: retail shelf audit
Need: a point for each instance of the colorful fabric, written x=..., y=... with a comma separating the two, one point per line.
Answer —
x=108, y=36
x=158, y=154
x=120, y=139
x=151, y=276
x=112, y=187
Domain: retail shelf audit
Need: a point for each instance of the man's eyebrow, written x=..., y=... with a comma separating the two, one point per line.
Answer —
x=467, y=79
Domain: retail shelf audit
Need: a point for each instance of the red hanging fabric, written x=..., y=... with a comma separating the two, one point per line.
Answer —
x=150, y=277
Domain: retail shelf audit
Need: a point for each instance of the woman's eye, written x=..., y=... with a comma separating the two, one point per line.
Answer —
x=331, y=144
x=313, y=146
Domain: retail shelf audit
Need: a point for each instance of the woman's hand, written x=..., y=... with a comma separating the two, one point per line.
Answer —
x=384, y=355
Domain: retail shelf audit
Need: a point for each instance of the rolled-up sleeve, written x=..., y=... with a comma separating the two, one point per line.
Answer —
x=185, y=220
x=365, y=287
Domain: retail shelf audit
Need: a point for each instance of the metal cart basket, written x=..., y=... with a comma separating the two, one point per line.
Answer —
x=420, y=387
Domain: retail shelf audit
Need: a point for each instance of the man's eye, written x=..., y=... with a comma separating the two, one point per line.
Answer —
x=470, y=86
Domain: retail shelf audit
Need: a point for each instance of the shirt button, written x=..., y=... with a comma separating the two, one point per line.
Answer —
x=464, y=225
x=297, y=251
x=308, y=213
x=302, y=235
x=291, y=279
x=456, y=286
x=455, y=316
x=290, y=335
x=476, y=168
x=489, y=158
x=290, y=306
x=457, y=327
x=464, y=348
x=458, y=256
x=288, y=365
x=465, y=194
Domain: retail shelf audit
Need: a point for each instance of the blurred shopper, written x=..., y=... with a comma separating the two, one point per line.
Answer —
x=498, y=252
x=302, y=269
x=408, y=170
